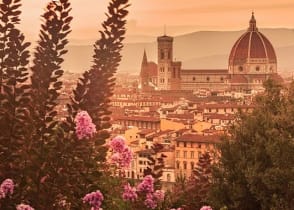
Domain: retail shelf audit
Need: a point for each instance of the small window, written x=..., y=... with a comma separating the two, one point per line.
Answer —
x=194, y=78
x=192, y=165
x=185, y=144
x=222, y=79
x=207, y=79
x=178, y=164
x=185, y=154
x=168, y=177
x=185, y=165
x=240, y=68
x=257, y=68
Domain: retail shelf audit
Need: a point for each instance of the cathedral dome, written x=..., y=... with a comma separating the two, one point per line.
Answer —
x=252, y=48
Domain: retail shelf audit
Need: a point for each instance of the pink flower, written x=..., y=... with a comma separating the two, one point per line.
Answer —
x=206, y=208
x=129, y=193
x=176, y=209
x=117, y=144
x=6, y=188
x=94, y=199
x=122, y=155
x=150, y=201
x=159, y=195
x=146, y=185
x=24, y=207
x=85, y=129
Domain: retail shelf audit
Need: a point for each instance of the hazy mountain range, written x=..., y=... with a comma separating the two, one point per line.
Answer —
x=203, y=49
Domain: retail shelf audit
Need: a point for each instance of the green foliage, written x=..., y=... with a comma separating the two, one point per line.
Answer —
x=51, y=167
x=95, y=87
x=14, y=94
x=193, y=193
x=256, y=167
x=155, y=164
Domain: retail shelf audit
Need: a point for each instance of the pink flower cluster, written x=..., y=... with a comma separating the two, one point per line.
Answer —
x=152, y=199
x=206, y=208
x=176, y=209
x=159, y=195
x=122, y=154
x=150, y=202
x=24, y=207
x=146, y=187
x=85, y=129
x=130, y=193
x=6, y=188
x=94, y=199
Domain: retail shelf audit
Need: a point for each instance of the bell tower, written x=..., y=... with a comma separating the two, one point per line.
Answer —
x=165, y=58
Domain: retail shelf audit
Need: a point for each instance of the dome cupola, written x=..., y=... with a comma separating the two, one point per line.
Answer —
x=252, y=53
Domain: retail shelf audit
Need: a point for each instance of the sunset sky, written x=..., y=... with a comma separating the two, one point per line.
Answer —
x=148, y=17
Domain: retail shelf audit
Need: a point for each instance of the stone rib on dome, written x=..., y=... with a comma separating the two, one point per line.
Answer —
x=252, y=45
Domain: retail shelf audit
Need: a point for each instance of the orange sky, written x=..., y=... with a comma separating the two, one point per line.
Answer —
x=147, y=17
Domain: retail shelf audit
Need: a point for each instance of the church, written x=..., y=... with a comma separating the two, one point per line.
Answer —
x=252, y=60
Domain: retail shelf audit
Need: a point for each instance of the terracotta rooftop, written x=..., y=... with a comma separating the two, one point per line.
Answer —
x=188, y=116
x=238, y=78
x=198, y=138
x=221, y=106
x=205, y=71
x=138, y=118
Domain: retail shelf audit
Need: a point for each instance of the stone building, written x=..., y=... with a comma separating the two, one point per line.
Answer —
x=252, y=61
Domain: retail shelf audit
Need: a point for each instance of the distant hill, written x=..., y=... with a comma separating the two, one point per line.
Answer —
x=203, y=49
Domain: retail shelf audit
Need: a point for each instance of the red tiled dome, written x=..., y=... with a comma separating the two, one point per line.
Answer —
x=252, y=45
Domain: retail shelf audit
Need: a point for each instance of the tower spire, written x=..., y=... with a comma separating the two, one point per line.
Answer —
x=144, y=61
x=252, y=23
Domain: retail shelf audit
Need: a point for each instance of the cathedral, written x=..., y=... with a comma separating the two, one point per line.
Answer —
x=252, y=61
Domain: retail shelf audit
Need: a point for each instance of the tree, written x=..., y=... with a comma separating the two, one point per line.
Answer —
x=193, y=193
x=45, y=89
x=256, y=167
x=14, y=92
x=95, y=87
x=155, y=164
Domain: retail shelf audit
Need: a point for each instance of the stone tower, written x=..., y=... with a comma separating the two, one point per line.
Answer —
x=168, y=71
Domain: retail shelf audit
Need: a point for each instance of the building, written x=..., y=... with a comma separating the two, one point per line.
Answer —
x=252, y=61
x=189, y=148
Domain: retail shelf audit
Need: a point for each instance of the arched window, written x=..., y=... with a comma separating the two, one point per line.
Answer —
x=185, y=165
x=178, y=164
x=168, y=177
x=192, y=165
